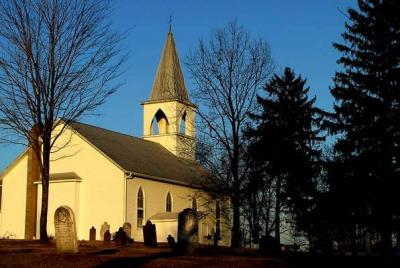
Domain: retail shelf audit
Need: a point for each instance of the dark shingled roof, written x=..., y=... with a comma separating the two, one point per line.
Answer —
x=169, y=82
x=143, y=157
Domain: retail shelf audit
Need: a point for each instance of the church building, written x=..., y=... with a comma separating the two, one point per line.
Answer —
x=114, y=178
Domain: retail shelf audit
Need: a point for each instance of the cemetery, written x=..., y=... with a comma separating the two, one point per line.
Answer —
x=109, y=248
x=116, y=248
x=271, y=140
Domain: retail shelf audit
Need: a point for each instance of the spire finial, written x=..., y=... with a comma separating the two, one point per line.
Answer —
x=170, y=24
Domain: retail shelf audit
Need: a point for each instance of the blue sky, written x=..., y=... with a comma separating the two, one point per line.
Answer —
x=300, y=34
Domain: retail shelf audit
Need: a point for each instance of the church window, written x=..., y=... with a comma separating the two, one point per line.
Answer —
x=154, y=127
x=159, y=125
x=194, y=204
x=182, y=126
x=168, y=203
x=140, y=208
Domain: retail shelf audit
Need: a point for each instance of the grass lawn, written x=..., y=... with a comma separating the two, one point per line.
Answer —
x=22, y=253
x=19, y=253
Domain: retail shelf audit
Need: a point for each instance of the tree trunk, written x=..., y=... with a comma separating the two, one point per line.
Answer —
x=387, y=237
x=278, y=211
x=45, y=189
x=217, y=235
x=267, y=219
x=255, y=227
x=235, y=239
x=398, y=240
x=353, y=241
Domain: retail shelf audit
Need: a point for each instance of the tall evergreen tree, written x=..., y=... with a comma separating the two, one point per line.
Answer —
x=367, y=120
x=286, y=142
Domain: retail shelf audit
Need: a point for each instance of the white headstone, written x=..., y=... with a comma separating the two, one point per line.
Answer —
x=127, y=229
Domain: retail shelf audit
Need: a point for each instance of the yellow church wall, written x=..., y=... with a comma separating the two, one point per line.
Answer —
x=155, y=193
x=165, y=228
x=98, y=197
x=61, y=193
x=101, y=191
x=14, y=200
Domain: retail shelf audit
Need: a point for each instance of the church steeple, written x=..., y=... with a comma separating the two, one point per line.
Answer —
x=169, y=116
x=169, y=83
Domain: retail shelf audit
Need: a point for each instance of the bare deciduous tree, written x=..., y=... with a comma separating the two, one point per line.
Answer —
x=58, y=59
x=227, y=72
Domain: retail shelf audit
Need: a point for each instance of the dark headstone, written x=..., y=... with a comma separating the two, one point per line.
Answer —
x=268, y=246
x=171, y=241
x=120, y=237
x=92, y=234
x=149, y=234
x=188, y=240
x=104, y=228
x=107, y=237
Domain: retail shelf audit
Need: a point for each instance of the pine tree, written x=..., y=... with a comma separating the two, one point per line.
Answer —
x=367, y=120
x=286, y=140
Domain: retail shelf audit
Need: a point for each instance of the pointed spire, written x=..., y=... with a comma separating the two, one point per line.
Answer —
x=169, y=83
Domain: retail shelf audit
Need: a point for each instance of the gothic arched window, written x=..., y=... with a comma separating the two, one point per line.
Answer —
x=140, y=208
x=159, y=125
x=168, y=203
x=182, y=126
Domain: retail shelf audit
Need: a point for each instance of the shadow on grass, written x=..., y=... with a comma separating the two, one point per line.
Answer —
x=105, y=251
x=135, y=261
x=17, y=250
x=212, y=251
x=311, y=261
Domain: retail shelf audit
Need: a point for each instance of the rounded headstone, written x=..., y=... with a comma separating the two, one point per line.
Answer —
x=104, y=228
x=127, y=229
x=65, y=230
x=188, y=239
x=149, y=234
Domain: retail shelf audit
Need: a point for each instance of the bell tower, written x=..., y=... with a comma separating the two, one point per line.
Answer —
x=169, y=116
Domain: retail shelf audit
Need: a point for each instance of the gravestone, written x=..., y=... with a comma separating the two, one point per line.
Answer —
x=65, y=230
x=149, y=234
x=104, y=228
x=92, y=234
x=188, y=239
x=171, y=241
x=127, y=229
x=120, y=237
x=107, y=237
